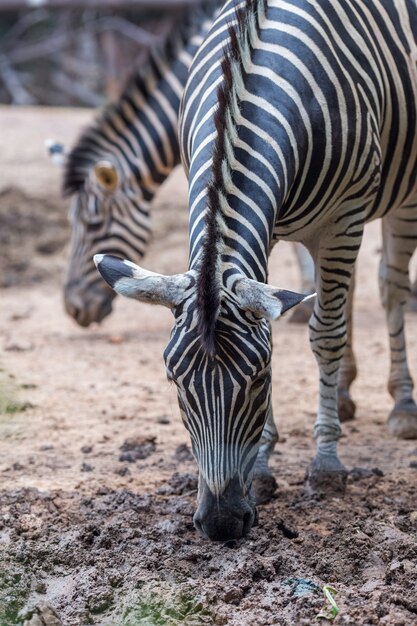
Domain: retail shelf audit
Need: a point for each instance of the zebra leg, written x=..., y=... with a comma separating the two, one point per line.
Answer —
x=302, y=312
x=399, y=233
x=264, y=483
x=347, y=369
x=335, y=260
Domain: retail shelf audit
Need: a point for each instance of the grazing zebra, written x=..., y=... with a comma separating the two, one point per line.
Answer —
x=118, y=164
x=297, y=123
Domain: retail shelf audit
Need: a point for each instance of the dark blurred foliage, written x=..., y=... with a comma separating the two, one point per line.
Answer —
x=76, y=56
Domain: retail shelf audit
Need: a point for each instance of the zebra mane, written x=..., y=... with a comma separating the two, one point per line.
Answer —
x=209, y=282
x=96, y=142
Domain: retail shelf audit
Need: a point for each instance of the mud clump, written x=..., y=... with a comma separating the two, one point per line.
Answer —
x=137, y=448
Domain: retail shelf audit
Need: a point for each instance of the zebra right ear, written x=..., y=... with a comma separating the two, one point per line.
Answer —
x=132, y=281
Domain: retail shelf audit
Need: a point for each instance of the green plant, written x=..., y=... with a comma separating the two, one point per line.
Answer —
x=329, y=612
x=155, y=610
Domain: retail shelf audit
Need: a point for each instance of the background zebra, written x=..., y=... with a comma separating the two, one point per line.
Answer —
x=304, y=129
x=119, y=163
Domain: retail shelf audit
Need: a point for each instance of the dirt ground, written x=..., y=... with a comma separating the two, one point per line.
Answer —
x=97, y=483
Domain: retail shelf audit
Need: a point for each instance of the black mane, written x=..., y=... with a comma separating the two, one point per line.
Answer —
x=209, y=282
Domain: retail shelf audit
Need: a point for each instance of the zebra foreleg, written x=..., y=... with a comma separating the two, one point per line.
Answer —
x=264, y=483
x=347, y=369
x=335, y=261
x=399, y=242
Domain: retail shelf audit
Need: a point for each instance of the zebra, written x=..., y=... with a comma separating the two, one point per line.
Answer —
x=119, y=162
x=298, y=122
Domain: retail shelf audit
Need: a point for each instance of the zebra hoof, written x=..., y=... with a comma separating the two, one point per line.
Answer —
x=402, y=422
x=302, y=313
x=346, y=407
x=264, y=486
x=326, y=476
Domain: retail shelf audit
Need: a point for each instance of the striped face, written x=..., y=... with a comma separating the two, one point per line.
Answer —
x=224, y=399
x=222, y=371
x=109, y=213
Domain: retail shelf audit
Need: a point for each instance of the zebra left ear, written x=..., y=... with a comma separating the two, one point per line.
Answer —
x=266, y=301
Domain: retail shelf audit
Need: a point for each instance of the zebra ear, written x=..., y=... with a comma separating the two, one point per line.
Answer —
x=106, y=175
x=132, y=281
x=266, y=301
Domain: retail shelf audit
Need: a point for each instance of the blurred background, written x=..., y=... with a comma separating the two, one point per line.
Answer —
x=74, y=53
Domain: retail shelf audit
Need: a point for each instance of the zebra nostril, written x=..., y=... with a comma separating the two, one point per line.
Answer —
x=198, y=526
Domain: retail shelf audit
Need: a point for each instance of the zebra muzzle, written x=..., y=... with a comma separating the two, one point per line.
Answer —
x=228, y=516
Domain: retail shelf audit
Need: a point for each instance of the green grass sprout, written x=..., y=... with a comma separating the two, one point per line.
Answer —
x=329, y=612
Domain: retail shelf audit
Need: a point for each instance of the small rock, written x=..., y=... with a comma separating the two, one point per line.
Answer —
x=163, y=419
x=180, y=484
x=287, y=531
x=87, y=449
x=23, y=346
x=183, y=453
x=413, y=464
x=86, y=467
x=116, y=339
x=122, y=471
x=39, y=586
x=137, y=448
x=41, y=615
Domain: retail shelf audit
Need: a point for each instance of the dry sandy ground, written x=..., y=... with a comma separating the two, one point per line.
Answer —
x=97, y=483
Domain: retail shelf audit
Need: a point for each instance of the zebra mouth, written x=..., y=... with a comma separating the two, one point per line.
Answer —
x=229, y=516
x=88, y=308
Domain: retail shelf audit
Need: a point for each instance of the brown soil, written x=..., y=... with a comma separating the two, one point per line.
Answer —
x=97, y=483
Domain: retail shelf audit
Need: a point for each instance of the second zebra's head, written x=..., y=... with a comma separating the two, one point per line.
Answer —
x=109, y=211
x=223, y=386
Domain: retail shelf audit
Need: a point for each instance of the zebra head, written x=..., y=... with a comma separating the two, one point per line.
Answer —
x=223, y=380
x=108, y=211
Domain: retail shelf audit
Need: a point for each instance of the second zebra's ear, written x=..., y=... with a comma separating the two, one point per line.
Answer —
x=132, y=281
x=266, y=301
x=57, y=152
x=106, y=175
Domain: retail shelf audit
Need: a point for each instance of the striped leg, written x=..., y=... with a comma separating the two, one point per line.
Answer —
x=347, y=369
x=335, y=261
x=399, y=232
x=264, y=483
